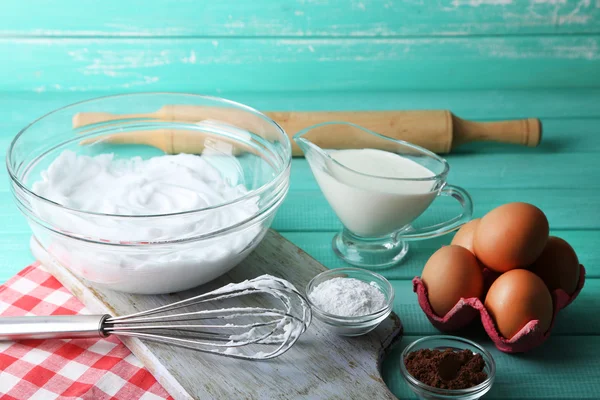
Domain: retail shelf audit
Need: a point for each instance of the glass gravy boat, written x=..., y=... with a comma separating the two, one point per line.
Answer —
x=377, y=186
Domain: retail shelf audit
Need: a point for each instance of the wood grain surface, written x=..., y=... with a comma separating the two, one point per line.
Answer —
x=320, y=365
x=250, y=18
x=226, y=65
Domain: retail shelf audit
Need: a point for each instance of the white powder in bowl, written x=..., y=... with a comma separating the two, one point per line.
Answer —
x=347, y=297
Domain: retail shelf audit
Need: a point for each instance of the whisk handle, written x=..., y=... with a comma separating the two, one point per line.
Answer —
x=52, y=327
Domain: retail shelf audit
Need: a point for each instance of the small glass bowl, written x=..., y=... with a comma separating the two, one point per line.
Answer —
x=352, y=326
x=443, y=342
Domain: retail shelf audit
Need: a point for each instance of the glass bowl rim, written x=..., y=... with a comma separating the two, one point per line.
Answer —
x=487, y=358
x=264, y=188
x=356, y=319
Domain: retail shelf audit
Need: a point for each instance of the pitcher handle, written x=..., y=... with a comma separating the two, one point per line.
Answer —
x=463, y=197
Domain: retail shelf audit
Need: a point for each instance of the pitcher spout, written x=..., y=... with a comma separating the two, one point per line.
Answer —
x=308, y=140
x=337, y=135
x=301, y=142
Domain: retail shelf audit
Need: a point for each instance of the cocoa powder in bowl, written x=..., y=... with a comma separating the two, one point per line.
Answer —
x=446, y=369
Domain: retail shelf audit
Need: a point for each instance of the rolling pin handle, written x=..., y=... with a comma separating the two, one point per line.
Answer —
x=525, y=132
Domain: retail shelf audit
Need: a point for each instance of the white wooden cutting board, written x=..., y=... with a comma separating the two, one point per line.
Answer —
x=320, y=365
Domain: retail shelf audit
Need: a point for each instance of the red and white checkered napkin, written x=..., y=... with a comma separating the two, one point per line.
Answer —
x=64, y=368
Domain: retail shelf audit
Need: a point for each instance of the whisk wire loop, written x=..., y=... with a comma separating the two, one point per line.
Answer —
x=250, y=332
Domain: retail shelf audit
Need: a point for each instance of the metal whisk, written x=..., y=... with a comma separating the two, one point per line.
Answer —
x=256, y=319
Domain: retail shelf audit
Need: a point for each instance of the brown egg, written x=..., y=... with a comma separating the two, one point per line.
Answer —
x=517, y=297
x=511, y=236
x=464, y=236
x=451, y=272
x=558, y=266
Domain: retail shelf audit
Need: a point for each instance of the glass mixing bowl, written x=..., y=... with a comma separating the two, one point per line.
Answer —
x=156, y=253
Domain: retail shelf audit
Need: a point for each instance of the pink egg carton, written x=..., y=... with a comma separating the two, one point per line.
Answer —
x=466, y=310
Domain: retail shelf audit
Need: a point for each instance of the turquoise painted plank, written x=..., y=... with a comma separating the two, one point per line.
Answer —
x=15, y=232
x=573, y=140
x=568, y=321
x=477, y=104
x=319, y=64
x=528, y=169
x=318, y=245
x=563, y=368
x=297, y=18
x=575, y=209
x=565, y=209
x=568, y=136
x=572, y=106
x=13, y=222
x=14, y=253
x=531, y=168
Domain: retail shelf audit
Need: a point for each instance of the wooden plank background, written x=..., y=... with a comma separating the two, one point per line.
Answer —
x=291, y=64
x=301, y=18
x=483, y=59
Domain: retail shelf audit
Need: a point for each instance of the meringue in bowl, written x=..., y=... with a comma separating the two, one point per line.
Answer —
x=149, y=202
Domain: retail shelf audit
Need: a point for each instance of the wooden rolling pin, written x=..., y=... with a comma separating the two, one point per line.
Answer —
x=437, y=130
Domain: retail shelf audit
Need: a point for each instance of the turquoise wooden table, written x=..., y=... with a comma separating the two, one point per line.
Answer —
x=482, y=59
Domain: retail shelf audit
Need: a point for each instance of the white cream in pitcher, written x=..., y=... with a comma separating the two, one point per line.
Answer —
x=366, y=190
